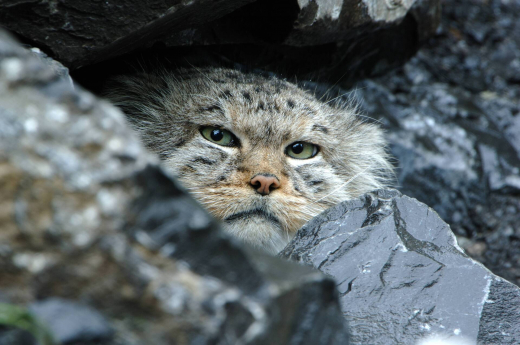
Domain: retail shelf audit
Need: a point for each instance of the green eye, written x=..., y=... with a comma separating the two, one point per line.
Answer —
x=301, y=150
x=218, y=136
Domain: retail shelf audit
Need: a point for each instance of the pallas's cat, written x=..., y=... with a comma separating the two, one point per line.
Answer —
x=260, y=154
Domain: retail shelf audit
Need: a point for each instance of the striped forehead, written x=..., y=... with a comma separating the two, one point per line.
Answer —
x=270, y=116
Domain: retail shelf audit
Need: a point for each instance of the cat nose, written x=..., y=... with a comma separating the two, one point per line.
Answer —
x=264, y=184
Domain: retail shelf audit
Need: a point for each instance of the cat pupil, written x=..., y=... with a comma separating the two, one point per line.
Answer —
x=217, y=135
x=297, y=148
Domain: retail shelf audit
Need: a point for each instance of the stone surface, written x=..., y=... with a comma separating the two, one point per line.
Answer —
x=324, y=38
x=87, y=216
x=401, y=275
x=452, y=117
x=78, y=32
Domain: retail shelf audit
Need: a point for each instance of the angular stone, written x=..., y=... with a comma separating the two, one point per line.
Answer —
x=88, y=216
x=401, y=275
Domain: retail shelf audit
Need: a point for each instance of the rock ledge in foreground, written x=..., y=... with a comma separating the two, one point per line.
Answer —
x=402, y=276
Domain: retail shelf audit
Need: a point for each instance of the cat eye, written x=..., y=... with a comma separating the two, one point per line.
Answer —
x=301, y=150
x=218, y=136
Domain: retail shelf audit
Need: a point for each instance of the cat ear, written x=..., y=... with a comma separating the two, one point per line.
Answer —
x=138, y=95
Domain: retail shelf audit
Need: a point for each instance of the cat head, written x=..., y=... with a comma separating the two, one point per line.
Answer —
x=259, y=153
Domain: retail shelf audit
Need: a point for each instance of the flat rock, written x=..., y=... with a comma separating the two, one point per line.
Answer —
x=401, y=275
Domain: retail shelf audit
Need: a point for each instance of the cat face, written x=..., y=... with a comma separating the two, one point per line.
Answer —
x=260, y=154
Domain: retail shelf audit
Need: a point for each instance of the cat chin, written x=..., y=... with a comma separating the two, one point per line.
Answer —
x=260, y=232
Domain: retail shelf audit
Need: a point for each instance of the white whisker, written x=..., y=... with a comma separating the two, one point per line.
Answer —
x=344, y=184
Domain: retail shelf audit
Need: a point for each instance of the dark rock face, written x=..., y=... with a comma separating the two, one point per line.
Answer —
x=99, y=242
x=323, y=37
x=401, y=275
x=84, y=32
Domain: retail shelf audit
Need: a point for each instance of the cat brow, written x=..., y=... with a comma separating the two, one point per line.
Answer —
x=320, y=128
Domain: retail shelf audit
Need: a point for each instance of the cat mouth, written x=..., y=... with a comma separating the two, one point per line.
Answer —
x=252, y=213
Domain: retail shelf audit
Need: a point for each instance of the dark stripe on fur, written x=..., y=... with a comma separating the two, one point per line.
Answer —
x=247, y=96
x=320, y=128
x=203, y=161
x=212, y=108
x=226, y=94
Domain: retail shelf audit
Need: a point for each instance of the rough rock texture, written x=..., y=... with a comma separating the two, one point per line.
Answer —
x=401, y=275
x=82, y=32
x=452, y=117
x=324, y=37
x=87, y=217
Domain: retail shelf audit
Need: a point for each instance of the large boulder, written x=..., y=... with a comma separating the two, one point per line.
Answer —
x=325, y=37
x=402, y=276
x=105, y=248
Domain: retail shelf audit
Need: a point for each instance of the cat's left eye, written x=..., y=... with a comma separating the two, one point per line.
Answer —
x=301, y=150
x=218, y=136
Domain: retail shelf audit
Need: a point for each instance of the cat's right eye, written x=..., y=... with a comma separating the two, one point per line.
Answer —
x=218, y=136
x=301, y=150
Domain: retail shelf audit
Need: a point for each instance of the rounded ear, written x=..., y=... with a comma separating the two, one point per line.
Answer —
x=136, y=95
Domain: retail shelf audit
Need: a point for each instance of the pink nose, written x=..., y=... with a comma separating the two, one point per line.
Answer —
x=264, y=183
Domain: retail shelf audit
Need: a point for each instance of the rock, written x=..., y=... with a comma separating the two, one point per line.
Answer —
x=454, y=127
x=323, y=38
x=70, y=321
x=88, y=219
x=78, y=33
x=401, y=275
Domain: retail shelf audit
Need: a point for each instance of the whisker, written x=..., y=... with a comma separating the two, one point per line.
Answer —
x=344, y=184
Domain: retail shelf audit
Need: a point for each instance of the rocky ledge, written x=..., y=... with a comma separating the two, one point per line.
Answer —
x=320, y=37
x=401, y=275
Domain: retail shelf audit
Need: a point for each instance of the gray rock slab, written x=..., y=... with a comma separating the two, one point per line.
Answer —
x=451, y=115
x=401, y=275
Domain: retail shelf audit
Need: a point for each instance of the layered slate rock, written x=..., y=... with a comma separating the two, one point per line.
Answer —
x=322, y=37
x=103, y=246
x=401, y=275
x=453, y=120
